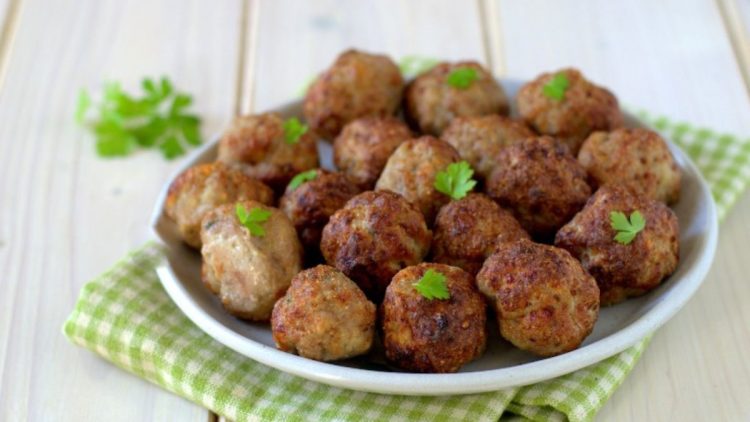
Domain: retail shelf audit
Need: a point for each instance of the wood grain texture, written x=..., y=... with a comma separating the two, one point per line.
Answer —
x=674, y=58
x=67, y=214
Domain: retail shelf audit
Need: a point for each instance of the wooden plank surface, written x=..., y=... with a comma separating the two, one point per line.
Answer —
x=68, y=214
x=674, y=58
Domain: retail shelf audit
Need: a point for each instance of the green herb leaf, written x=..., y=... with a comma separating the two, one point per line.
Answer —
x=626, y=230
x=462, y=77
x=432, y=285
x=252, y=219
x=157, y=119
x=556, y=87
x=414, y=65
x=455, y=181
x=293, y=130
x=303, y=177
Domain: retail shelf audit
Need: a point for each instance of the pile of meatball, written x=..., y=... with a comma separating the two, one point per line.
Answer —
x=335, y=269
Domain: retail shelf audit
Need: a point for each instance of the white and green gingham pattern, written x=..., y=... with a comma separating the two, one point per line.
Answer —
x=126, y=317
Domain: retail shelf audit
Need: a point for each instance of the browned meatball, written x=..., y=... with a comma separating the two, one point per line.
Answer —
x=479, y=139
x=204, y=187
x=623, y=271
x=411, y=172
x=433, y=335
x=374, y=236
x=323, y=316
x=431, y=102
x=311, y=204
x=363, y=147
x=259, y=141
x=541, y=182
x=637, y=157
x=358, y=84
x=544, y=301
x=584, y=108
x=249, y=272
x=467, y=231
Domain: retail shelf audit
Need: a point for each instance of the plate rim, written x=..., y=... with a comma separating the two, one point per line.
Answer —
x=455, y=383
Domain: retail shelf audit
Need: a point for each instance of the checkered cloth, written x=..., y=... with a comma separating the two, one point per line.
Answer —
x=126, y=317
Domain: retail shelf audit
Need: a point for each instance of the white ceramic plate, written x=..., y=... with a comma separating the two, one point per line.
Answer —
x=502, y=365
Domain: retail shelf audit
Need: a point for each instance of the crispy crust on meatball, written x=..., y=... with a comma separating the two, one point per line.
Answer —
x=431, y=103
x=423, y=335
x=623, y=271
x=374, y=236
x=585, y=108
x=248, y=273
x=467, y=231
x=258, y=141
x=202, y=188
x=363, y=147
x=479, y=139
x=323, y=316
x=358, y=84
x=411, y=171
x=311, y=204
x=637, y=157
x=544, y=301
x=541, y=182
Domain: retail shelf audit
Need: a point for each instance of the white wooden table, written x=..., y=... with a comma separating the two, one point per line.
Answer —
x=67, y=215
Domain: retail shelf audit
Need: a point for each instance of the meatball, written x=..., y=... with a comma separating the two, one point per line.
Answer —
x=248, y=272
x=363, y=147
x=480, y=138
x=584, y=108
x=374, y=236
x=541, y=182
x=431, y=102
x=467, y=231
x=323, y=316
x=311, y=204
x=637, y=157
x=623, y=271
x=433, y=335
x=358, y=84
x=259, y=141
x=544, y=301
x=411, y=171
x=204, y=187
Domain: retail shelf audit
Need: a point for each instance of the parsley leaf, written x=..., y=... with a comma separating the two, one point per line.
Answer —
x=462, y=77
x=414, y=65
x=303, y=177
x=455, y=181
x=293, y=130
x=556, y=87
x=157, y=119
x=626, y=230
x=252, y=219
x=432, y=285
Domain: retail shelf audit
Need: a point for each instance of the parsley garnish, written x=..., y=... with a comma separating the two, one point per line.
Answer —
x=252, y=219
x=455, y=181
x=158, y=119
x=293, y=129
x=462, y=77
x=626, y=230
x=556, y=87
x=303, y=177
x=432, y=285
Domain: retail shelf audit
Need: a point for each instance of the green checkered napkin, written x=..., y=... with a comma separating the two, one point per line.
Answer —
x=126, y=317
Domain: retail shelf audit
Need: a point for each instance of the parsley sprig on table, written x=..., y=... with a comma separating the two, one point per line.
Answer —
x=157, y=119
x=455, y=181
x=556, y=87
x=462, y=77
x=432, y=285
x=303, y=177
x=252, y=219
x=626, y=230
